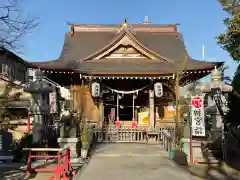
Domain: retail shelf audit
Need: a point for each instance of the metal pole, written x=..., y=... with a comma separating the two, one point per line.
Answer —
x=82, y=104
x=190, y=139
x=133, y=109
x=203, y=53
x=117, y=107
x=28, y=122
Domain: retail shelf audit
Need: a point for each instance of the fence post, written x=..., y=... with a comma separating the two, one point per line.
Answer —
x=29, y=163
x=67, y=159
x=58, y=170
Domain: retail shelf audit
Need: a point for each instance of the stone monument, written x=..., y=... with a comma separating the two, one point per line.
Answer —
x=5, y=144
x=69, y=137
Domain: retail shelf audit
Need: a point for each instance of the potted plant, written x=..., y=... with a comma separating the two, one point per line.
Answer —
x=84, y=143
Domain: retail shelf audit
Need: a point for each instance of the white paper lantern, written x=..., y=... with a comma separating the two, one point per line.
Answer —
x=158, y=89
x=95, y=89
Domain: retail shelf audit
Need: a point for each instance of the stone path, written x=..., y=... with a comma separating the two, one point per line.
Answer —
x=131, y=161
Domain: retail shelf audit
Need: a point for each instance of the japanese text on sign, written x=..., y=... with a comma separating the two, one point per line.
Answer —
x=197, y=116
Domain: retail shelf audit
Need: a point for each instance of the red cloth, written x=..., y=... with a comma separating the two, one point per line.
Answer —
x=118, y=124
x=134, y=124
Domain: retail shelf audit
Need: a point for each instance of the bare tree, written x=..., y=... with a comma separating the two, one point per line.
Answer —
x=13, y=24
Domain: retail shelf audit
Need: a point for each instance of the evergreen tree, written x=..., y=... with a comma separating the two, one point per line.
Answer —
x=230, y=39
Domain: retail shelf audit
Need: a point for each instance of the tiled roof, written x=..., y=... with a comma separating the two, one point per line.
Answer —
x=91, y=39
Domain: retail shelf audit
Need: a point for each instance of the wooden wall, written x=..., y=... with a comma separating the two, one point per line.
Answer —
x=81, y=99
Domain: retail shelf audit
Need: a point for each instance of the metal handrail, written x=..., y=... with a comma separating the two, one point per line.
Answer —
x=167, y=140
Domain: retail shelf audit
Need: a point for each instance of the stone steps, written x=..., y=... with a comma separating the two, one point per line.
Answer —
x=209, y=158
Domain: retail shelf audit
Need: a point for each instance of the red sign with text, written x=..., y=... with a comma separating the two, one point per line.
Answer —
x=196, y=102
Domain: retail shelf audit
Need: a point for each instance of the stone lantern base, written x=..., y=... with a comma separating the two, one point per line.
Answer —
x=74, y=145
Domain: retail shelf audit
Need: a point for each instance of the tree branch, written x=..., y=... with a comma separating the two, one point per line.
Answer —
x=13, y=26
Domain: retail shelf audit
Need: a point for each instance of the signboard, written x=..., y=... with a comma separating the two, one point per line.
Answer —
x=143, y=118
x=197, y=116
x=53, y=102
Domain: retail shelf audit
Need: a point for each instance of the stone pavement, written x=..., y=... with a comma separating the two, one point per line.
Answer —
x=213, y=172
x=131, y=161
x=16, y=171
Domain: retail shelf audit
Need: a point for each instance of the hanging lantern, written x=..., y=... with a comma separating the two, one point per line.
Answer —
x=158, y=89
x=95, y=89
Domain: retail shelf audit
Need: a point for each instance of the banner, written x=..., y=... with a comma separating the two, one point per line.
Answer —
x=53, y=102
x=197, y=116
x=143, y=118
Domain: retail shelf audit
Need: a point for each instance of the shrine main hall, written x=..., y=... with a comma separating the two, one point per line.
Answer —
x=127, y=60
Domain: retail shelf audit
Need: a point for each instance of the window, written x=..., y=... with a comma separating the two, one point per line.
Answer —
x=8, y=71
x=5, y=70
x=11, y=72
x=21, y=75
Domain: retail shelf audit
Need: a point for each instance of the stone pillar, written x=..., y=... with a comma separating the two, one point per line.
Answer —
x=72, y=143
x=36, y=112
x=151, y=110
x=68, y=138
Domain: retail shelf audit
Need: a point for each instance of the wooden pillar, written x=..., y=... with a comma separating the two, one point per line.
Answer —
x=177, y=114
x=76, y=97
x=101, y=111
x=177, y=92
x=72, y=97
x=136, y=115
x=151, y=110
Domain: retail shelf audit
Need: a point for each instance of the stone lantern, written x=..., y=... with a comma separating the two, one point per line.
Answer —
x=215, y=98
x=39, y=108
x=216, y=94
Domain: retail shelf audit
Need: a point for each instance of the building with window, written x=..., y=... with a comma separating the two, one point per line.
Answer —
x=12, y=66
x=13, y=74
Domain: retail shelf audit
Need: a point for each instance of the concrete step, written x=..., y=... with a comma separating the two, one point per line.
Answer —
x=210, y=159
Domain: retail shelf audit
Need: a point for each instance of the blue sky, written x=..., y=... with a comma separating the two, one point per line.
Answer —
x=200, y=22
